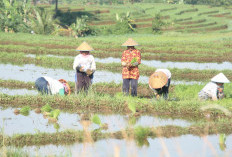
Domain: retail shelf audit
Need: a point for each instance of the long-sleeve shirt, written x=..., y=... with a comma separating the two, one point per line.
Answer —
x=54, y=85
x=132, y=72
x=87, y=62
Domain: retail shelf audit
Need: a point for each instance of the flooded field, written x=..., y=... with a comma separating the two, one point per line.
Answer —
x=30, y=72
x=34, y=123
x=187, y=145
x=17, y=91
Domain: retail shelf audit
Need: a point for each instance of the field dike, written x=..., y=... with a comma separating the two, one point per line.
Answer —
x=69, y=137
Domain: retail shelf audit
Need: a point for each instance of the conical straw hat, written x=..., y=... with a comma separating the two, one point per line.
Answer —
x=220, y=78
x=130, y=42
x=158, y=80
x=84, y=47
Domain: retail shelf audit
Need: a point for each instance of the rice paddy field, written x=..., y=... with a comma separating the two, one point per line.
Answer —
x=196, y=47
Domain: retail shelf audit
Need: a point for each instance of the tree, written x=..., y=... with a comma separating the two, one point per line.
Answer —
x=42, y=21
x=56, y=5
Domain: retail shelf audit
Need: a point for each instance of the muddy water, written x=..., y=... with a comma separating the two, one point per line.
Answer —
x=187, y=145
x=17, y=91
x=159, y=64
x=34, y=122
x=30, y=72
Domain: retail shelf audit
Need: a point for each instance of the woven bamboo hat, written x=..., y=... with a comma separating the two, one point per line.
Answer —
x=220, y=78
x=85, y=47
x=158, y=80
x=130, y=42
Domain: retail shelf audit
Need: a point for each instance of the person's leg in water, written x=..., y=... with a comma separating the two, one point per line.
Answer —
x=126, y=86
x=134, y=85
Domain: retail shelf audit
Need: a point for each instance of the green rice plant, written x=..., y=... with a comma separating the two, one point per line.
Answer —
x=55, y=113
x=46, y=108
x=96, y=120
x=141, y=135
x=132, y=106
x=25, y=110
x=56, y=126
x=222, y=140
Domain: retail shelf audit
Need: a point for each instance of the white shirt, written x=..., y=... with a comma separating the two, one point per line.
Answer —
x=210, y=89
x=54, y=85
x=166, y=71
x=87, y=62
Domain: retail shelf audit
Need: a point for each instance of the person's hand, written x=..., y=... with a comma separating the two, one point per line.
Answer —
x=123, y=63
x=81, y=69
x=89, y=72
x=128, y=65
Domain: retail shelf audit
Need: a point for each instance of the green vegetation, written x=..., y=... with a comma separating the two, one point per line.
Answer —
x=183, y=102
x=25, y=110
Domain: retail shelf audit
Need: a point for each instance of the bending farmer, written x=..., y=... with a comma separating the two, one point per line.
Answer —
x=84, y=65
x=159, y=82
x=48, y=85
x=130, y=60
x=214, y=89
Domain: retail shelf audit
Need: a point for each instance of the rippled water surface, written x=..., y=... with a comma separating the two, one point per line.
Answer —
x=34, y=122
x=183, y=146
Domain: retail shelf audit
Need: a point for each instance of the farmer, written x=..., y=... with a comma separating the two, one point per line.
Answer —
x=214, y=89
x=85, y=66
x=159, y=82
x=48, y=85
x=130, y=60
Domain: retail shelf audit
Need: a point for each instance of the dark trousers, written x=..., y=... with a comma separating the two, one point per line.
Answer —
x=164, y=90
x=126, y=86
x=83, y=82
x=42, y=85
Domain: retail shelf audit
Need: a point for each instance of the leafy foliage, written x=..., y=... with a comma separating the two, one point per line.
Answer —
x=80, y=28
x=42, y=21
x=157, y=24
x=14, y=16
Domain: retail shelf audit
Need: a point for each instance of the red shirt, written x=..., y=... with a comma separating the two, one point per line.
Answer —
x=132, y=72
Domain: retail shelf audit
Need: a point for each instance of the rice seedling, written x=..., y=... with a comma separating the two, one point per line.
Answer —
x=46, y=108
x=141, y=135
x=25, y=110
x=96, y=120
x=222, y=140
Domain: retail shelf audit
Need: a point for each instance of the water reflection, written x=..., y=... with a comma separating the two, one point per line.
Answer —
x=187, y=145
x=30, y=72
x=37, y=123
x=17, y=91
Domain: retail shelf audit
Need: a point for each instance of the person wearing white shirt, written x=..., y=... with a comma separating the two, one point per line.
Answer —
x=48, y=85
x=159, y=82
x=214, y=89
x=84, y=65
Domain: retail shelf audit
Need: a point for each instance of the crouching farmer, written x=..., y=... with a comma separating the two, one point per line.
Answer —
x=48, y=85
x=214, y=89
x=159, y=82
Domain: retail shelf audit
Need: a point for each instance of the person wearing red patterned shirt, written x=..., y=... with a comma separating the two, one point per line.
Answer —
x=130, y=60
